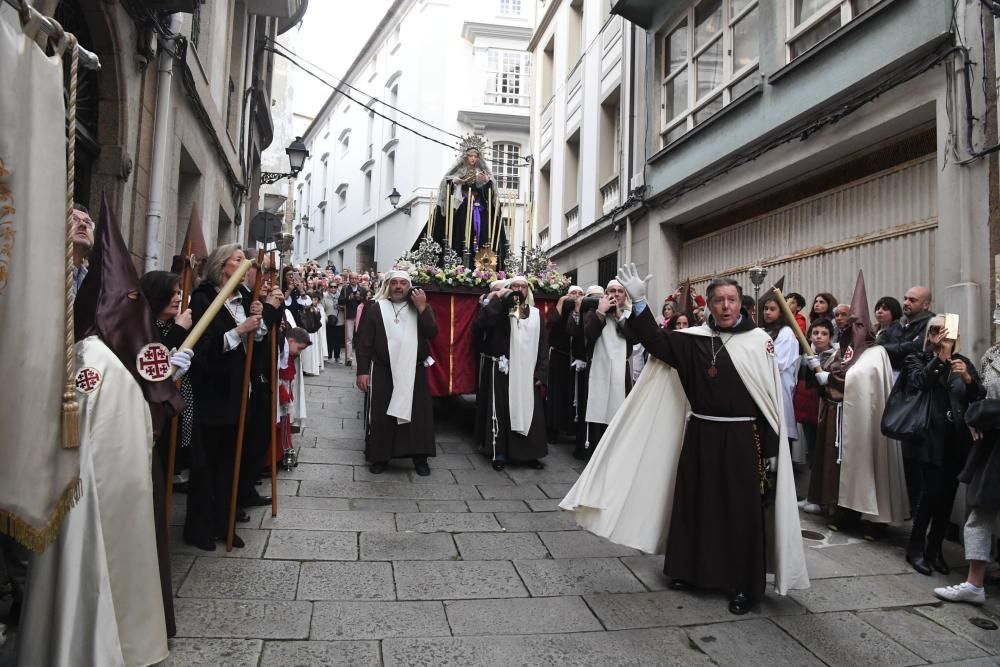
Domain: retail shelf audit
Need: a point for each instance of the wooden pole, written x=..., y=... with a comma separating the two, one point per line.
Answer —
x=241, y=427
x=790, y=318
x=274, y=403
x=175, y=420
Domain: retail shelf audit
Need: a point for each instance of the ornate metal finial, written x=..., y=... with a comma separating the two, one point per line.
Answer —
x=472, y=142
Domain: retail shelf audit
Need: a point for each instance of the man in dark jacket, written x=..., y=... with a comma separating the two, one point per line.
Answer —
x=907, y=335
x=352, y=295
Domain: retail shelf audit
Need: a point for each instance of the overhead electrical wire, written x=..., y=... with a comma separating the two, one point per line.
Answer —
x=522, y=163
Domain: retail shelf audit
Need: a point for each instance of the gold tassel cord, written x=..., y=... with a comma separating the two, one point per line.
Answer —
x=35, y=539
x=70, y=406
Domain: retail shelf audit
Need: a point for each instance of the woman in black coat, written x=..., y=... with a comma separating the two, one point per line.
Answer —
x=953, y=383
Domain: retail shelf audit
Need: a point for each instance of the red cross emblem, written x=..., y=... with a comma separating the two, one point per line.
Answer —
x=153, y=362
x=87, y=379
x=848, y=355
x=770, y=348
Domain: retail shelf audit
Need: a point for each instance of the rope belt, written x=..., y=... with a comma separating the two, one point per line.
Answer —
x=493, y=399
x=713, y=418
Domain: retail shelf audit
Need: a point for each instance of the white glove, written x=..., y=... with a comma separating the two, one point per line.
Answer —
x=823, y=377
x=428, y=362
x=635, y=286
x=181, y=360
x=772, y=464
x=578, y=365
x=812, y=361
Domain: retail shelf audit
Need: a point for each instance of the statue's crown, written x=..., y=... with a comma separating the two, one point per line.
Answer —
x=472, y=142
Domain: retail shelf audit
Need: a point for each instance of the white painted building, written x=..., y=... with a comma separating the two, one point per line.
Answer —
x=457, y=66
x=579, y=117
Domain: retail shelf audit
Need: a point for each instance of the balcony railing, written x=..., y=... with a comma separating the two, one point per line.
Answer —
x=610, y=195
x=573, y=219
x=508, y=99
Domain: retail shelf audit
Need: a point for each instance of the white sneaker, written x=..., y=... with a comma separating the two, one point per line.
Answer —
x=963, y=592
x=803, y=503
x=813, y=508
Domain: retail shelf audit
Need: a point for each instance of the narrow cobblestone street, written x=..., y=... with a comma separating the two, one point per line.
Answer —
x=475, y=567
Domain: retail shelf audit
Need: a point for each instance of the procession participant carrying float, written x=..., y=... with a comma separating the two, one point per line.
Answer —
x=465, y=246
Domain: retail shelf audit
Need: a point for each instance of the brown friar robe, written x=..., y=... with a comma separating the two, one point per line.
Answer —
x=386, y=438
x=559, y=388
x=824, y=471
x=495, y=324
x=716, y=538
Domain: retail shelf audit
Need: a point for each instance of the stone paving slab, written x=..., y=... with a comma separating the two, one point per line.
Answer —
x=310, y=503
x=497, y=506
x=394, y=473
x=577, y=576
x=500, y=546
x=437, y=476
x=649, y=570
x=328, y=654
x=666, y=608
x=956, y=617
x=186, y=652
x=526, y=492
x=843, y=640
x=383, y=505
x=750, y=642
x=313, y=519
x=444, y=506
x=254, y=541
x=581, y=544
x=312, y=545
x=286, y=487
x=544, y=505
x=378, y=620
x=553, y=490
x=344, y=580
x=456, y=580
x=343, y=443
x=260, y=619
x=924, y=637
x=451, y=462
x=821, y=566
x=179, y=566
x=240, y=579
x=868, y=558
x=865, y=593
x=486, y=477
x=319, y=471
x=391, y=490
x=450, y=522
x=337, y=456
x=407, y=546
x=552, y=474
x=537, y=521
x=664, y=648
x=521, y=616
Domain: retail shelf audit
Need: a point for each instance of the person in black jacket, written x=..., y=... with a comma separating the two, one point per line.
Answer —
x=907, y=335
x=352, y=295
x=217, y=380
x=953, y=383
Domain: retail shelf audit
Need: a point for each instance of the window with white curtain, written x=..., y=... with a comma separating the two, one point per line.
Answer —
x=708, y=58
x=507, y=79
x=812, y=21
x=506, y=157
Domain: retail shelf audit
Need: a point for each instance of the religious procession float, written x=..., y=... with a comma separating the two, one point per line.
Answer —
x=465, y=247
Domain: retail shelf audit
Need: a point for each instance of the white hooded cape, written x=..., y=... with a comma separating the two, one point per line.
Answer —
x=93, y=597
x=626, y=492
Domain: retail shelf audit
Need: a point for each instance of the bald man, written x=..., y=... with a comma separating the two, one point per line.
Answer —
x=907, y=335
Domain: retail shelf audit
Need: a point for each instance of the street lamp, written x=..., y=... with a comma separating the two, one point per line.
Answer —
x=297, y=154
x=757, y=275
x=394, y=198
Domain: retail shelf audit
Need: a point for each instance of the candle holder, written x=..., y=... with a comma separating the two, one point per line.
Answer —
x=757, y=276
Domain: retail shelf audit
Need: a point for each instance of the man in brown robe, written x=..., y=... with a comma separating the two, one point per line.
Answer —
x=559, y=389
x=510, y=414
x=717, y=536
x=392, y=350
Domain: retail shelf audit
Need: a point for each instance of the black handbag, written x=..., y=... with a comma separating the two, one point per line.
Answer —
x=311, y=320
x=907, y=411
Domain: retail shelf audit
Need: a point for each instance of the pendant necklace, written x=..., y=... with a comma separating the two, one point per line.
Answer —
x=712, y=370
x=397, y=312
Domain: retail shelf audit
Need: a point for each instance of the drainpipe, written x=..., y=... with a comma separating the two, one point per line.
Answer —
x=161, y=146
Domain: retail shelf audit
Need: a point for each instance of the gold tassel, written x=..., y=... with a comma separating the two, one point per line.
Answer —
x=38, y=540
x=70, y=421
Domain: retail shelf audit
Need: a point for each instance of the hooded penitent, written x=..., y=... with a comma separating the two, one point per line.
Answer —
x=861, y=335
x=111, y=306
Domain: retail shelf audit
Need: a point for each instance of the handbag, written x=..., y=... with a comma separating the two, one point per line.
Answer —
x=907, y=411
x=310, y=319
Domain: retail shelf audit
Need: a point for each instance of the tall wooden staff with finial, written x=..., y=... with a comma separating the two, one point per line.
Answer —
x=241, y=429
x=186, y=280
x=274, y=404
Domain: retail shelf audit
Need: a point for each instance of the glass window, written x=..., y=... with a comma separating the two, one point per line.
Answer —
x=815, y=20
x=710, y=53
x=507, y=77
x=510, y=7
x=707, y=21
x=505, y=161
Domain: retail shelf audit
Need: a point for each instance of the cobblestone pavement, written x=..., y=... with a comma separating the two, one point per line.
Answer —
x=473, y=567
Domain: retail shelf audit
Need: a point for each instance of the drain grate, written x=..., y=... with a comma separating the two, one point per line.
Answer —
x=813, y=535
x=983, y=623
